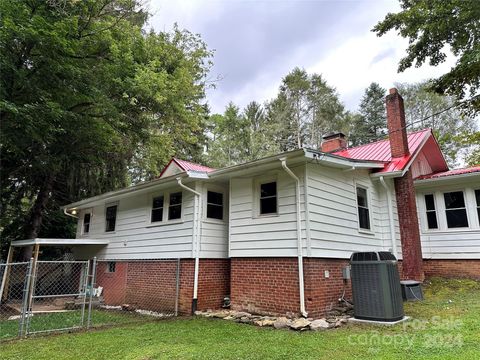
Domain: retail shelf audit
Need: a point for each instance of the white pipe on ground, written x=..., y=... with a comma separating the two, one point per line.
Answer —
x=299, y=237
x=390, y=216
x=195, y=239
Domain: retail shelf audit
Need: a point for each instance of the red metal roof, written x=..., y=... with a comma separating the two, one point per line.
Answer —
x=189, y=166
x=186, y=166
x=380, y=151
x=463, y=171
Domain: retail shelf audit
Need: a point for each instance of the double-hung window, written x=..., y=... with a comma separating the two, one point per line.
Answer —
x=363, y=210
x=87, y=217
x=110, y=218
x=431, y=211
x=214, y=205
x=268, y=198
x=157, y=209
x=455, y=209
x=175, y=206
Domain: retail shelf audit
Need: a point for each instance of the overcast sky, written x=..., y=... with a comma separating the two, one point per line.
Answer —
x=257, y=43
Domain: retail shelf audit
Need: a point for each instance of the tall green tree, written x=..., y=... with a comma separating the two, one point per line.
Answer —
x=305, y=109
x=371, y=125
x=426, y=109
x=89, y=102
x=433, y=28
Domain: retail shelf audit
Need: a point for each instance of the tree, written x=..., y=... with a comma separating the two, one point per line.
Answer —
x=372, y=123
x=425, y=109
x=327, y=111
x=432, y=27
x=305, y=109
x=230, y=137
x=89, y=102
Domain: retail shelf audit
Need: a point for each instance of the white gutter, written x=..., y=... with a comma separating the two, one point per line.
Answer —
x=195, y=240
x=390, y=216
x=299, y=237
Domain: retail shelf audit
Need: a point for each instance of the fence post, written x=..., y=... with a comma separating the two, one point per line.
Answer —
x=177, y=289
x=25, y=298
x=85, y=285
x=92, y=285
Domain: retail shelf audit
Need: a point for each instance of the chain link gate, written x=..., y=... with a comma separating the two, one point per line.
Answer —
x=53, y=296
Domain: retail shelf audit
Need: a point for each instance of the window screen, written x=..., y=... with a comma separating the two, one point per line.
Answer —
x=431, y=212
x=363, y=211
x=110, y=218
x=214, y=205
x=86, y=222
x=268, y=198
x=175, y=206
x=157, y=209
x=477, y=197
x=455, y=209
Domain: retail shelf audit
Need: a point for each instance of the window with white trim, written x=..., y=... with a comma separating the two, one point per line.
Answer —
x=110, y=218
x=455, y=209
x=363, y=210
x=214, y=205
x=87, y=217
x=431, y=211
x=268, y=198
x=175, y=206
x=157, y=209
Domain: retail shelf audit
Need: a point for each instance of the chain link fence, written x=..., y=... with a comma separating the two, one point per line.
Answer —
x=53, y=296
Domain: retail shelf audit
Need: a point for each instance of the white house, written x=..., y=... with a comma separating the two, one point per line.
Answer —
x=275, y=233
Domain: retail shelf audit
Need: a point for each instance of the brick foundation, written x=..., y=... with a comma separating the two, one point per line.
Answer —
x=151, y=285
x=452, y=268
x=270, y=285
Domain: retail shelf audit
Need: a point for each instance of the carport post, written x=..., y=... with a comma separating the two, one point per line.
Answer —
x=31, y=291
x=6, y=275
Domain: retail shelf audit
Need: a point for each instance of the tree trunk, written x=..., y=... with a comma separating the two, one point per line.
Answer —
x=36, y=216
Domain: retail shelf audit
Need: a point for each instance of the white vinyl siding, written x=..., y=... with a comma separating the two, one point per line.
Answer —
x=333, y=213
x=271, y=235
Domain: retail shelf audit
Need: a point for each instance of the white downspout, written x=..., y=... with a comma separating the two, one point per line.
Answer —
x=299, y=236
x=390, y=216
x=196, y=242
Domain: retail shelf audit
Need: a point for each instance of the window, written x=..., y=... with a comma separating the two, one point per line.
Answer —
x=268, y=198
x=86, y=222
x=175, y=206
x=363, y=212
x=214, y=205
x=431, y=212
x=110, y=267
x=477, y=197
x=110, y=218
x=157, y=209
x=455, y=209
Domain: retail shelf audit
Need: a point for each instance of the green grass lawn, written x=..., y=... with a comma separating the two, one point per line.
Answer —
x=445, y=326
x=51, y=321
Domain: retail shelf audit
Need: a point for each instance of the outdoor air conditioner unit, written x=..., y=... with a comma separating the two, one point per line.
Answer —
x=377, y=294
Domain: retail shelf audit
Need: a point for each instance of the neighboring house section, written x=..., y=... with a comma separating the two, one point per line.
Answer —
x=275, y=233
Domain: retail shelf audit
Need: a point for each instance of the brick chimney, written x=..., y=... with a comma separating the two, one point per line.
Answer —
x=334, y=142
x=396, y=124
x=412, y=264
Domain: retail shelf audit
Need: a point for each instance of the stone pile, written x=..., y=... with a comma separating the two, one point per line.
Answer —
x=335, y=318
